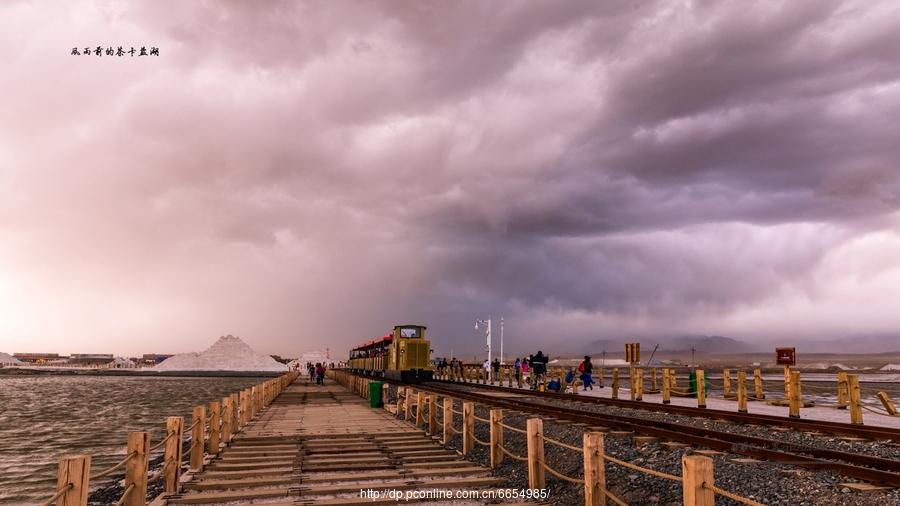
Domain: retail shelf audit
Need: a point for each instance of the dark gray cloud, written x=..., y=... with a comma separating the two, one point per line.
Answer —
x=303, y=173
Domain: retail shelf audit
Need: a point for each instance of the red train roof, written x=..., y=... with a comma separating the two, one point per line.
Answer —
x=388, y=338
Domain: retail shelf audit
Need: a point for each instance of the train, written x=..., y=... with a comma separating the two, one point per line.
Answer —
x=404, y=355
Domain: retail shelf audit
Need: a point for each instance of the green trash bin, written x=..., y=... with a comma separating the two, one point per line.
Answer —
x=375, y=394
x=692, y=383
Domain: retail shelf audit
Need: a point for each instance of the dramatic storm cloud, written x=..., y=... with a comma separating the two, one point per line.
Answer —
x=309, y=174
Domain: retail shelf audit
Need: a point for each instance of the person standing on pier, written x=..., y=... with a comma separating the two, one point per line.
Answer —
x=495, y=365
x=320, y=374
x=586, y=369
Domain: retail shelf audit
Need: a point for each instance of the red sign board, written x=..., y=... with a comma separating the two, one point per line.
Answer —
x=786, y=356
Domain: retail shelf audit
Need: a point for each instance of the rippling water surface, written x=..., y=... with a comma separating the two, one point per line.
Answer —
x=43, y=418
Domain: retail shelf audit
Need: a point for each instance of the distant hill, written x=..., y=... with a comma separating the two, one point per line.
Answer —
x=702, y=344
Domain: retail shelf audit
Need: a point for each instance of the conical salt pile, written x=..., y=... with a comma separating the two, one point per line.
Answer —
x=229, y=353
x=6, y=358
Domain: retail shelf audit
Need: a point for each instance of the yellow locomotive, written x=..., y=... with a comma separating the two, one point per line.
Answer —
x=403, y=355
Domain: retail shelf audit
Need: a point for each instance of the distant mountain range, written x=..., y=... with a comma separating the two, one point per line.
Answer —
x=722, y=344
x=702, y=344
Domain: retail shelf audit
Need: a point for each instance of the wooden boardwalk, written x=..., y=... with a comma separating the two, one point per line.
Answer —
x=324, y=445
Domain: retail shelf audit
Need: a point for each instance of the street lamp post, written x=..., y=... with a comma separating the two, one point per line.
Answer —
x=502, y=357
x=486, y=323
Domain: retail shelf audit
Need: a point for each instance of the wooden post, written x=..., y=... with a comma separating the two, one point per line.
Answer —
x=173, y=453
x=400, y=409
x=136, y=468
x=484, y=376
x=653, y=383
x=615, y=383
x=594, y=469
x=198, y=420
x=535, y=434
x=76, y=471
x=468, y=426
x=407, y=403
x=227, y=416
x=796, y=400
x=496, y=437
x=447, y=421
x=787, y=382
x=632, y=380
x=842, y=390
x=888, y=404
x=213, y=448
x=639, y=384
x=856, y=417
x=742, y=392
x=726, y=383
x=420, y=408
x=701, y=388
x=254, y=401
x=758, y=384
x=695, y=471
x=666, y=389
x=600, y=378
x=432, y=414
x=235, y=418
x=385, y=389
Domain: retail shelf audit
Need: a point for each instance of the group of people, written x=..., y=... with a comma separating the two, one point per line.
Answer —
x=316, y=372
x=534, y=366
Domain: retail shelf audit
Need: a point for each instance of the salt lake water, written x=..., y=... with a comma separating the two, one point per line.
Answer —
x=43, y=418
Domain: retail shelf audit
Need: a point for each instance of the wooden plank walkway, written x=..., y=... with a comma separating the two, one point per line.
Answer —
x=324, y=445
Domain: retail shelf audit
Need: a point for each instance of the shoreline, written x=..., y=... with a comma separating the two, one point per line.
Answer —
x=17, y=371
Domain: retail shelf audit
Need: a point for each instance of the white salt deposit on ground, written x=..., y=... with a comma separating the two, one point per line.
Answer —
x=8, y=359
x=891, y=367
x=310, y=357
x=229, y=353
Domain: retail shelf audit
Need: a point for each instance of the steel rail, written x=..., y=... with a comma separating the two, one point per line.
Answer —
x=880, y=471
x=871, y=432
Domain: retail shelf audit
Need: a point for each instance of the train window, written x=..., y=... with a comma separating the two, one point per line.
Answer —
x=409, y=332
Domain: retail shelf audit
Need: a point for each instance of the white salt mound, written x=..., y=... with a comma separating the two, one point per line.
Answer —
x=312, y=357
x=6, y=358
x=228, y=354
x=891, y=367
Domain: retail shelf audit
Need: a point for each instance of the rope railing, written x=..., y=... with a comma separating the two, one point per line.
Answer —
x=730, y=495
x=614, y=498
x=192, y=425
x=560, y=475
x=511, y=455
x=485, y=420
x=125, y=495
x=59, y=493
x=163, y=442
x=651, y=472
x=875, y=409
x=564, y=445
x=482, y=443
x=514, y=429
x=115, y=467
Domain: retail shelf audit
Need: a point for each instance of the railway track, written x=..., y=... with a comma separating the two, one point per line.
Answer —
x=869, y=432
x=863, y=467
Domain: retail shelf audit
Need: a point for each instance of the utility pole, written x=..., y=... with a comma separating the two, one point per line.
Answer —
x=692, y=356
x=502, y=359
x=486, y=323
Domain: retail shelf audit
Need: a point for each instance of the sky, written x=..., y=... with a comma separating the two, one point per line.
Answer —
x=308, y=174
